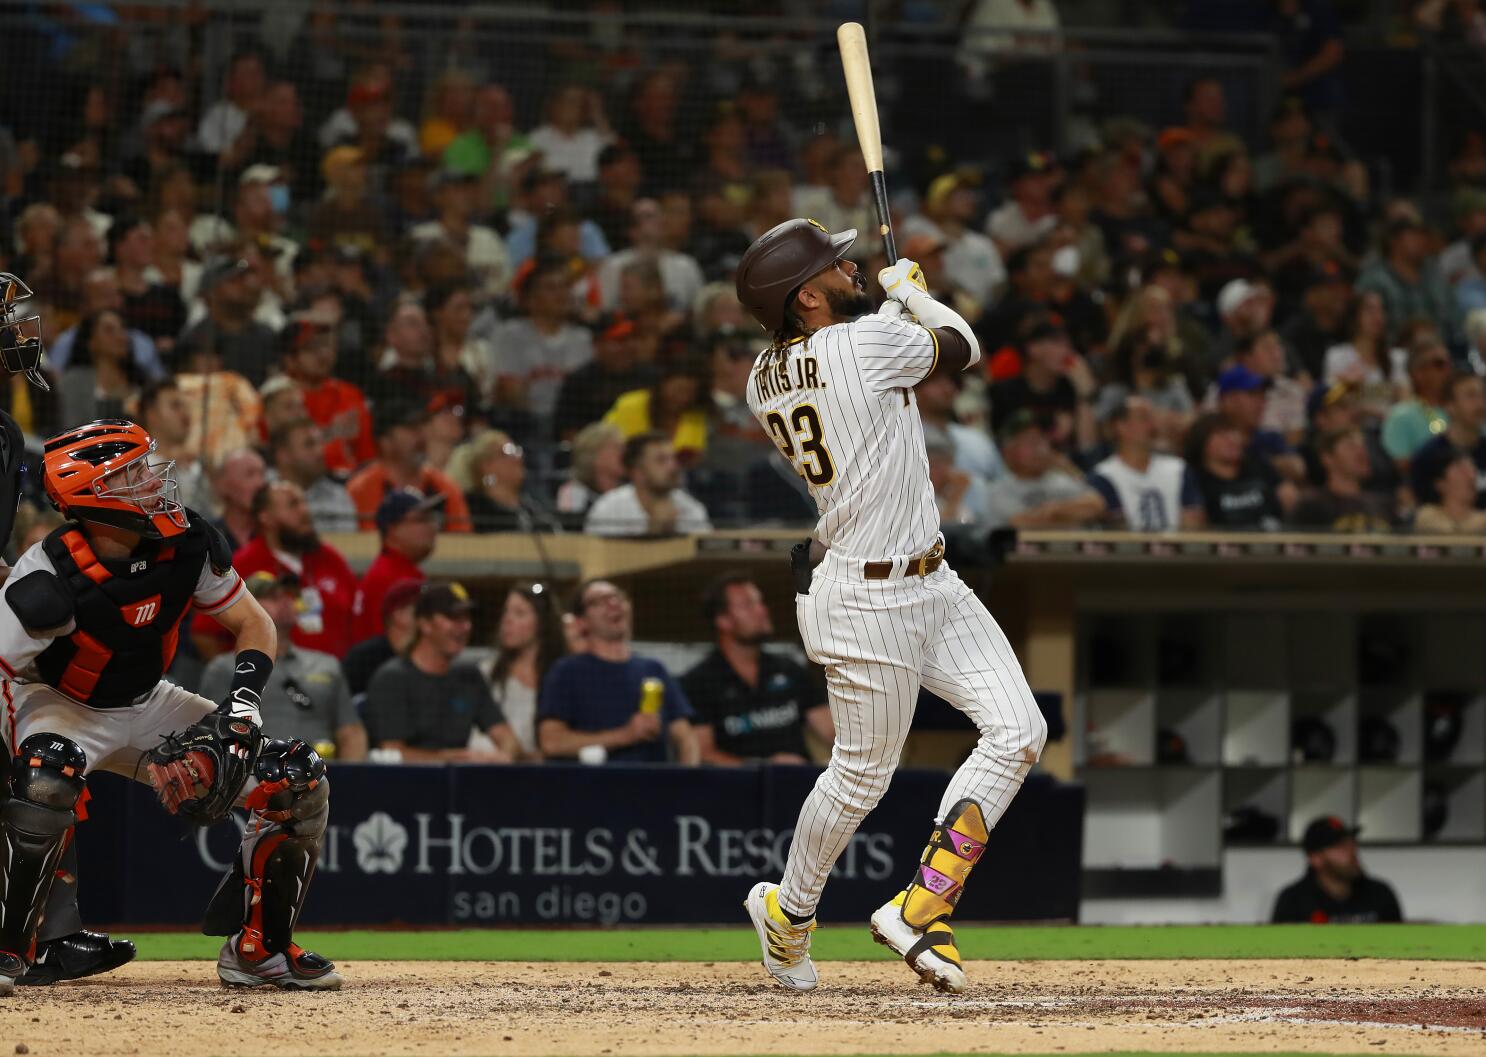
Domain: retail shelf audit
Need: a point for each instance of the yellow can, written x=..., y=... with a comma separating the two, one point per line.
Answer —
x=652, y=695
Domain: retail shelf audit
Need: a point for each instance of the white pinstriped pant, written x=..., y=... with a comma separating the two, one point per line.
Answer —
x=879, y=640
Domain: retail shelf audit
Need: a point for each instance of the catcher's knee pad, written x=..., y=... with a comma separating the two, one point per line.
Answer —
x=953, y=850
x=292, y=787
x=46, y=784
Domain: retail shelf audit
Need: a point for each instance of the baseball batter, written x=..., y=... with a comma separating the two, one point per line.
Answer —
x=877, y=605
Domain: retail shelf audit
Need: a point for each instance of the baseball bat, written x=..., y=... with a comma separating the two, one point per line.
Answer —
x=852, y=40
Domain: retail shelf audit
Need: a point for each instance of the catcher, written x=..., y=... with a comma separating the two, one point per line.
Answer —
x=89, y=620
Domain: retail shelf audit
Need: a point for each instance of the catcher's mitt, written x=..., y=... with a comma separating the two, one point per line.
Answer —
x=198, y=772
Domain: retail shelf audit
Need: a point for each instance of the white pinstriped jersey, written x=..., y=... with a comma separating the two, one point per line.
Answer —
x=840, y=406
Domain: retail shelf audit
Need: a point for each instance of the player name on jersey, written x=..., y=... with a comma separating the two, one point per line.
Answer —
x=787, y=376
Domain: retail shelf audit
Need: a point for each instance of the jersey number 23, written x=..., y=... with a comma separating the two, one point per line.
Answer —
x=810, y=457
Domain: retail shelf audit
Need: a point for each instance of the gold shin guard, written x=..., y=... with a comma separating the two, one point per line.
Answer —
x=953, y=850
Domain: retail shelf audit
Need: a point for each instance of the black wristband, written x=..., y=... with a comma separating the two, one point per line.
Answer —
x=250, y=672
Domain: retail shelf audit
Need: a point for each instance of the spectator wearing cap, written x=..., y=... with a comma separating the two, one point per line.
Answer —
x=960, y=496
x=1028, y=215
x=259, y=212
x=151, y=307
x=975, y=452
x=492, y=148
x=675, y=404
x=229, y=333
x=680, y=274
x=1206, y=108
x=972, y=263
x=619, y=180
x=542, y=193
x=306, y=696
x=1408, y=279
x=286, y=543
x=1338, y=406
x=653, y=502
x=455, y=193
x=336, y=406
x=399, y=464
x=591, y=390
x=1146, y=360
x=535, y=352
x=236, y=480
x=1241, y=400
x=1454, y=511
x=753, y=705
x=1034, y=491
x=1411, y=423
x=1142, y=489
x=1334, y=889
x=164, y=413
x=1263, y=355
x=598, y=468
x=362, y=660
x=1342, y=504
x=1465, y=406
x=1055, y=384
x=297, y=455
x=1457, y=262
x=446, y=429
x=463, y=364
x=430, y=706
x=1239, y=491
x=408, y=524
x=346, y=213
x=1367, y=359
x=605, y=696
x=1175, y=174
x=1320, y=323
x=491, y=469
x=368, y=97
x=227, y=119
x=164, y=134
x=1028, y=297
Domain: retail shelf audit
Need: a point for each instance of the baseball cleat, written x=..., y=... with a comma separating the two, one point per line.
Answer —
x=294, y=970
x=786, y=946
x=11, y=967
x=76, y=956
x=930, y=952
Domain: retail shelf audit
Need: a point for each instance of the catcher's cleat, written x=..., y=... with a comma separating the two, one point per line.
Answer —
x=930, y=952
x=76, y=956
x=11, y=969
x=294, y=970
x=786, y=946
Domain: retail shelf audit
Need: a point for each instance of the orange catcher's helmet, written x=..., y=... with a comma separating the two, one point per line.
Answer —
x=102, y=473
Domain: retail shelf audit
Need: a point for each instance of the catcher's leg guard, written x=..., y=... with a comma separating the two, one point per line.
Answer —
x=260, y=900
x=46, y=784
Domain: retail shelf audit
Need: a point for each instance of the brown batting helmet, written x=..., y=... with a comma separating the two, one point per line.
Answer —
x=780, y=260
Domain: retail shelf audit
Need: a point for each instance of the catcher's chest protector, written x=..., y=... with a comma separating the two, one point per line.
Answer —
x=128, y=612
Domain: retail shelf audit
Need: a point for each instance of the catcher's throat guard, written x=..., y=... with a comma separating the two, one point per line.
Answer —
x=21, y=348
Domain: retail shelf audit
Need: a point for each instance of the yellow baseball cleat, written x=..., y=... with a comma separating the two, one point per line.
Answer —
x=786, y=946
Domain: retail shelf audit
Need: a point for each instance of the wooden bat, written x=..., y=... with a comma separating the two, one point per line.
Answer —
x=852, y=40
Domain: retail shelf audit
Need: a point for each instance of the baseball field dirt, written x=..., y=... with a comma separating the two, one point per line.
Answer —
x=622, y=1008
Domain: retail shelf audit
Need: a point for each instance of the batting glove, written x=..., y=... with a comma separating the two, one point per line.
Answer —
x=900, y=281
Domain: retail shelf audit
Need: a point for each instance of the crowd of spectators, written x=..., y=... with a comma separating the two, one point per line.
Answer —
x=344, y=294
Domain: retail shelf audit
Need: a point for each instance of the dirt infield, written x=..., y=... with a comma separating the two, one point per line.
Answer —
x=728, y=1008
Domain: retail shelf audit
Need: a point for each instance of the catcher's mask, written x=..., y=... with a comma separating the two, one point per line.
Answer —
x=102, y=473
x=20, y=330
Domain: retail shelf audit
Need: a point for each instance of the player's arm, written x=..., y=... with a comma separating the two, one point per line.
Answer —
x=955, y=342
x=220, y=593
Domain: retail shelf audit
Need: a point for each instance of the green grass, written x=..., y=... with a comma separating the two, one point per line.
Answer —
x=846, y=942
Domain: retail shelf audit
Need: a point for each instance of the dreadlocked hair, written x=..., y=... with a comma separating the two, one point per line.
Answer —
x=792, y=331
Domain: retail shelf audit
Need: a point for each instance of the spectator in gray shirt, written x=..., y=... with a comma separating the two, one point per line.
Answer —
x=535, y=353
x=298, y=453
x=1035, y=492
x=306, y=696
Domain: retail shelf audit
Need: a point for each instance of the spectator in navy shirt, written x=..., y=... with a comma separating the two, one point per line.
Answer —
x=594, y=698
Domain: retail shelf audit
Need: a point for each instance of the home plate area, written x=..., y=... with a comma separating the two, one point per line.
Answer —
x=467, y=1008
